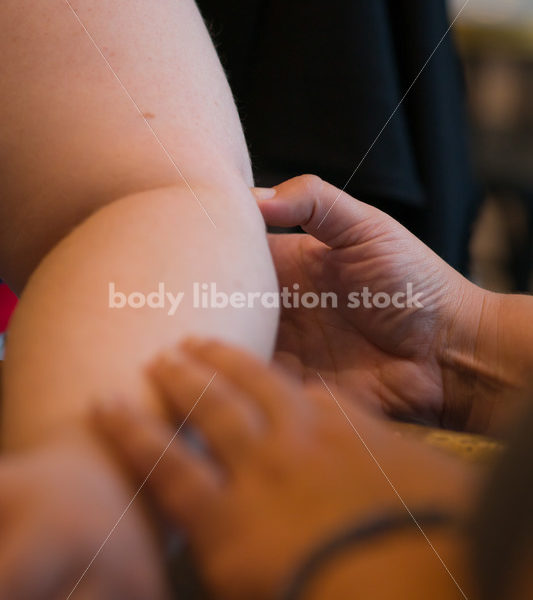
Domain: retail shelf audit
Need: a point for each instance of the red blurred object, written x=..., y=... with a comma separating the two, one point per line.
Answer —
x=8, y=301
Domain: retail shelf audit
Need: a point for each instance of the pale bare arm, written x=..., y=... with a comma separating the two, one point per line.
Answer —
x=89, y=197
x=73, y=139
x=176, y=203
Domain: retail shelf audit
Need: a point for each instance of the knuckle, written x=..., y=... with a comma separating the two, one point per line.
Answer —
x=311, y=183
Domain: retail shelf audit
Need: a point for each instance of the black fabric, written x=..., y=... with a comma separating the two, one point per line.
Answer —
x=315, y=82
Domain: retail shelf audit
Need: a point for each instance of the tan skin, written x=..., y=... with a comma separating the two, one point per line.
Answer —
x=461, y=361
x=284, y=471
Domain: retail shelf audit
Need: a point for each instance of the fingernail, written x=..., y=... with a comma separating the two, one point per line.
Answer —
x=264, y=193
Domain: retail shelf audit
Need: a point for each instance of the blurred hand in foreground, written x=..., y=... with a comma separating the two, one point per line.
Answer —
x=284, y=467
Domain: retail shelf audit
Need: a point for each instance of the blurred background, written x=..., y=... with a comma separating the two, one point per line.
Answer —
x=495, y=41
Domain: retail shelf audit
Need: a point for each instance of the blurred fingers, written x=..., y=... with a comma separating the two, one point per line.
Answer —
x=227, y=421
x=261, y=385
x=180, y=481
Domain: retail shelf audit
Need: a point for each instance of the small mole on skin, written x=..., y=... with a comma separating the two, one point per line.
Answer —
x=148, y=115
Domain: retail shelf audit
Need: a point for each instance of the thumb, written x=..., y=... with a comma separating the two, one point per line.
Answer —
x=322, y=210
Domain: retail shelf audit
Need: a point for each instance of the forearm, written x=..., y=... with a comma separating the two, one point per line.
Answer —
x=67, y=346
x=68, y=349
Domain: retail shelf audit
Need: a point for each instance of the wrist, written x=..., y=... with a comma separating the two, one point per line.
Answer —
x=455, y=348
x=485, y=359
x=411, y=565
x=505, y=345
x=465, y=372
x=331, y=569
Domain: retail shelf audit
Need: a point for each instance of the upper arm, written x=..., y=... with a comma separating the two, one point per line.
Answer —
x=80, y=128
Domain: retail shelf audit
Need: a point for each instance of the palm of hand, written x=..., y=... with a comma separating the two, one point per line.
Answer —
x=383, y=357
